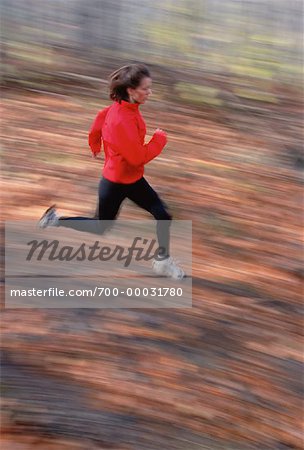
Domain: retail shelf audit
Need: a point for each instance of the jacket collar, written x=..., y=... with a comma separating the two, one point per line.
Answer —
x=132, y=106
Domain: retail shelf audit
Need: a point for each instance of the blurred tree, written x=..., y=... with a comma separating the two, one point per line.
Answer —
x=98, y=22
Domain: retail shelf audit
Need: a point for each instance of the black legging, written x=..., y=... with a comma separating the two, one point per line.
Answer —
x=110, y=197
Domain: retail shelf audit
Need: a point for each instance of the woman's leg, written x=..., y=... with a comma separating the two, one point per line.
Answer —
x=144, y=196
x=110, y=197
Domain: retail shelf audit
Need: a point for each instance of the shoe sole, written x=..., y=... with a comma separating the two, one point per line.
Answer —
x=162, y=275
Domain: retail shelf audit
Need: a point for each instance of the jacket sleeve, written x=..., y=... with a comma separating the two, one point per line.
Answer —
x=95, y=131
x=127, y=143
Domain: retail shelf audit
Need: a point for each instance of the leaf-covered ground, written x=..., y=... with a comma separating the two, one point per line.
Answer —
x=223, y=375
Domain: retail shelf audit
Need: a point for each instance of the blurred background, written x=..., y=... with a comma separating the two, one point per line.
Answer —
x=227, y=88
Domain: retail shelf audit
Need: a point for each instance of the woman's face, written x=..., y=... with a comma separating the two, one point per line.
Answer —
x=142, y=92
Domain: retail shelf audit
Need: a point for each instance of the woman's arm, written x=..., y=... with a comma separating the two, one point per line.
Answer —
x=95, y=131
x=126, y=141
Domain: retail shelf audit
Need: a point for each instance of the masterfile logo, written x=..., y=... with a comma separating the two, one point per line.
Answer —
x=115, y=266
x=140, y=249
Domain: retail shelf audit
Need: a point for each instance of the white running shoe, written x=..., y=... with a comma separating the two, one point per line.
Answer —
x=169, y=268
x=49, y=218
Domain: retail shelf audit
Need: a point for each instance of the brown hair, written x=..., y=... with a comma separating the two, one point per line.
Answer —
x=126, y=77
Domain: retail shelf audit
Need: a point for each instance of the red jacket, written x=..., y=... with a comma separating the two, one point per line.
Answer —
x=122, y=130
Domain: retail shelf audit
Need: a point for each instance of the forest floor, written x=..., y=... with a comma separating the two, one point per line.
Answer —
x=224, y=374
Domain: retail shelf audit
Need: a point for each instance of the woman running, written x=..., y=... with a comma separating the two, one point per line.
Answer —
x=121, y=129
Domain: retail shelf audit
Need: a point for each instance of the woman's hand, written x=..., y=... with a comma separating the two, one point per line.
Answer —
x=160, y=131
x=161, y=136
